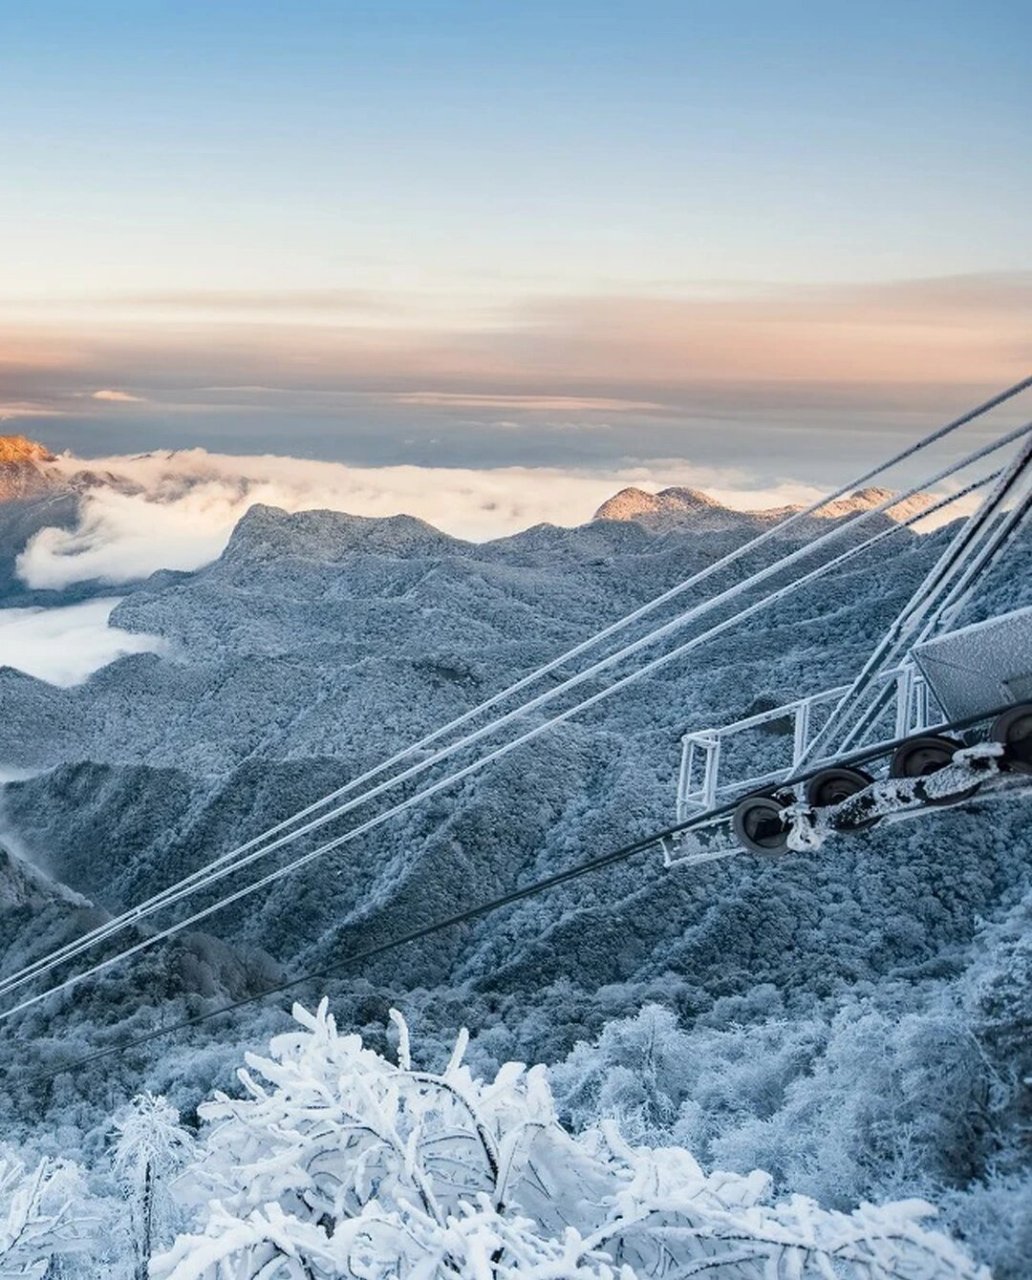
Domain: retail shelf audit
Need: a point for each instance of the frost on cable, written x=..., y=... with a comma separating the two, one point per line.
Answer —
x=337, y=1162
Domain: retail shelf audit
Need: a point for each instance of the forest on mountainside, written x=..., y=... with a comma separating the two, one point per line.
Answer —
x=854, y=1023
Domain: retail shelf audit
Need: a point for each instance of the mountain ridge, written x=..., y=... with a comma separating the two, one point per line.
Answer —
x=23, y=469
x=678, y=507
x=30, y=470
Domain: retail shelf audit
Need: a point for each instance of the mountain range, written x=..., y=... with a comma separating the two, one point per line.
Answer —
x=677, y=507
x=320, y=643
x=61, y=508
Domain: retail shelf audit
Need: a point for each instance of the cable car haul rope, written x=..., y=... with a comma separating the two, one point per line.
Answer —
x=1011, y=763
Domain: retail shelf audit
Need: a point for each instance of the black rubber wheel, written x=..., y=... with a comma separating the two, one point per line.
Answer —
x=1014, y=730
x=758, y=827
x=924, y=755
x=832, y=786
x=918, y=757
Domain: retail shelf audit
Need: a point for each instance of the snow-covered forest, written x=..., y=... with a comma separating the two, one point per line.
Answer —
x=330, y=1160
x=812, y=1067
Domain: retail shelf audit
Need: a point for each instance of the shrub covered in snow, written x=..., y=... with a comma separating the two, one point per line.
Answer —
x=150, y=1147
x=337, y=1162
x=45, y=1215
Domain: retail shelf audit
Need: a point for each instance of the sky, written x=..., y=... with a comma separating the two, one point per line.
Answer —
x=572, y=235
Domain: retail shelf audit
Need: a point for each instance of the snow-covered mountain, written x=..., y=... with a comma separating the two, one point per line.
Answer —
x=70, y=529
x=24, y=469
x=38, y=492
x=320, y=643
x=29, y=470
x=680, y=508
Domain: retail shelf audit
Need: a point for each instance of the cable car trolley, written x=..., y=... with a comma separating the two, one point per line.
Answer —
x=939, y=716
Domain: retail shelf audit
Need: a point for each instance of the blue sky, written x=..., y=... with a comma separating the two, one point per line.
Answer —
x=796, y=213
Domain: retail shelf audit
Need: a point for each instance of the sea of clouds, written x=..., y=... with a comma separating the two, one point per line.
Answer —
x=177, y=511
x=65, y=645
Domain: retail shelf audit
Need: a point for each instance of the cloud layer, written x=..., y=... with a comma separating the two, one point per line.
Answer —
x=183, y=506
x=66, y=645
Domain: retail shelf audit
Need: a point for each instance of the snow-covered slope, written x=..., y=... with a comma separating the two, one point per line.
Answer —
x=318, y=644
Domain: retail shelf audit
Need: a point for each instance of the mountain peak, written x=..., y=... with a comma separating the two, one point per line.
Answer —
x=266, y=533
x=20, y=449
x=677, y=507
x=25, y=470
x=872, y=496
x=674, y=502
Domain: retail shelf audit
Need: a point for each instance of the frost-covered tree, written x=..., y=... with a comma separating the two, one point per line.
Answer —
x=44, y=1217
x=337, y=1162
x=150, y=1147
x=635, y=1074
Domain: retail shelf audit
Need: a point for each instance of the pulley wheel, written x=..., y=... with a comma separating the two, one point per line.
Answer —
x=832, y=786
x=758, y=827
x=1014, y=730
x=922, y=756
x=918, y=757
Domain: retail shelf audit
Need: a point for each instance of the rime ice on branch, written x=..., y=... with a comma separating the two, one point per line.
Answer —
x=338, y=1162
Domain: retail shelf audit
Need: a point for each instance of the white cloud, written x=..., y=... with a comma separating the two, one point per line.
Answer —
x=183, y=506
x=533, y=404
x=14, y=773
x=119, y=397
x=66, y=645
